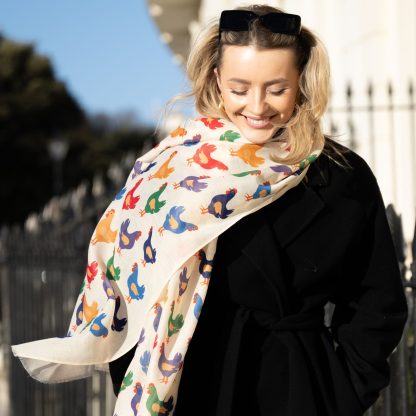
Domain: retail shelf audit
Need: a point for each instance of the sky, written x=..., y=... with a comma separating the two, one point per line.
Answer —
x=107, y=52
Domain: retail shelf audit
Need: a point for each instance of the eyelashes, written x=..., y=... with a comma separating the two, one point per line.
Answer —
x=275, y=93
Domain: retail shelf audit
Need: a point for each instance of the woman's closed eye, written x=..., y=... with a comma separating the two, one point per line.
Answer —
x=276, y=93
x=238, y=92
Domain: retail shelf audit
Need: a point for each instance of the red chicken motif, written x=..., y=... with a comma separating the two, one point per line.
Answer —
x=91, y=272
x=212, y=123
x=203, y=157
x=131, y=200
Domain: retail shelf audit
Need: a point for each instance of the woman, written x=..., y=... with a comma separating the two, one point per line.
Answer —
x=299, y=222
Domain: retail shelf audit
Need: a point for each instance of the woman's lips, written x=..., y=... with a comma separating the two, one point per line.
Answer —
x=257, y=123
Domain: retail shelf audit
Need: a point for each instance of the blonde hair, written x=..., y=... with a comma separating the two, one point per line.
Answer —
x=304, y=127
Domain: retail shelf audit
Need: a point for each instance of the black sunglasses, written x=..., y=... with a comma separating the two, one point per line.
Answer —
x=239, y=20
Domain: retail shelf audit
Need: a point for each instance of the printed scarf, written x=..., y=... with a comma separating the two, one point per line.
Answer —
x=151, y=255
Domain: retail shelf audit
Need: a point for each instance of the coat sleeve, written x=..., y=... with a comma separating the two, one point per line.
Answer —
x=371, y=311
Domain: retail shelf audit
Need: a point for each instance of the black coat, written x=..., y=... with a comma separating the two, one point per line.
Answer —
x=325, y=240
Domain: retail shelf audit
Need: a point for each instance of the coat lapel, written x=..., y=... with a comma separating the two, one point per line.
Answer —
x=280, y=223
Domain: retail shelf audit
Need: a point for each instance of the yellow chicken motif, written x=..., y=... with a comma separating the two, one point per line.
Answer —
x=164, y=171
x=103, y=231
x=247, y=153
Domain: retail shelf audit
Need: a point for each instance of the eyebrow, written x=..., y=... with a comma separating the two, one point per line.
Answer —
x=268, y=83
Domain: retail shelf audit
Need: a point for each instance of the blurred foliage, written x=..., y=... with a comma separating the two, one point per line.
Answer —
x=35, y=107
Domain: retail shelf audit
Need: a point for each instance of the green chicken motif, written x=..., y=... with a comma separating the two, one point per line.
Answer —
x=113, y=273
x=155, y=406
x=230, y=136
x=174, y=324
x=127, y=381
x=153, y=205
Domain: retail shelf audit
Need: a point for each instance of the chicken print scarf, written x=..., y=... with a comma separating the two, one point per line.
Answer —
x=150, y=260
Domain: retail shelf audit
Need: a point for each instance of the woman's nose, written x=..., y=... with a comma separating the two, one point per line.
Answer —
x=257, y=104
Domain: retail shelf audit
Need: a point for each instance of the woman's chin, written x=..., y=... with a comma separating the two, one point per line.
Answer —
x=258, y=136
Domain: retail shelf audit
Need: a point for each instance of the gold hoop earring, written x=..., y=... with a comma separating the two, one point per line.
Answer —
x=221, y=105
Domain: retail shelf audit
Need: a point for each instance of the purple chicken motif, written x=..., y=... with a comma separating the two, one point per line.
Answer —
x=118, y=324
x=137, y=168
x=174, y=223
x=262, y=191
x=108, y=288
x=158, y=312
x=135, y=401
x=191, y=142
x=192, y=183
x=183, y=282
x=282, y=169
x=218, y=205
x=126, y=238
x=149, y=252
x=168, y=367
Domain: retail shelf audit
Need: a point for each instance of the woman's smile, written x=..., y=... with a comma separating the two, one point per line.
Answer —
x=257, y=122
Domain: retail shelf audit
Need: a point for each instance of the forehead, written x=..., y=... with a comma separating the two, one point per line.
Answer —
x=250, y=63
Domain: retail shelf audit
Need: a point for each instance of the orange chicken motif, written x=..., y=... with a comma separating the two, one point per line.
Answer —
x=164, y=171
x=247, y=153
x=90, y=311
x=103, y=231
x=179, y=131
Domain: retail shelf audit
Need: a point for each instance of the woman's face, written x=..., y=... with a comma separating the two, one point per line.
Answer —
x=259, y=89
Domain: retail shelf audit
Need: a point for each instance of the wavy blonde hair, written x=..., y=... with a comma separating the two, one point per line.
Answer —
x=304, y=127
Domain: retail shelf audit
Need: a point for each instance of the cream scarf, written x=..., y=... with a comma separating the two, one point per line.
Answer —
x=150, y=260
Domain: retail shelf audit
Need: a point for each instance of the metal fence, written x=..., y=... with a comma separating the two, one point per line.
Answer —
x=41, y=270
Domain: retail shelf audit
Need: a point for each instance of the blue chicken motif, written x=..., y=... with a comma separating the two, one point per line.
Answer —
x=118, y=324
x=136, y=291
x=149, y=253
x=174, y=223
x=262, y=191
x=97, y=327
x=198, y=305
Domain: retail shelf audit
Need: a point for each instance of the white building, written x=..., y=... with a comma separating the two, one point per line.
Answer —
x=367, y=41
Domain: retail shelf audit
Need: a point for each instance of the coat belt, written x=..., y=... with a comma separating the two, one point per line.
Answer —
x=311, y=321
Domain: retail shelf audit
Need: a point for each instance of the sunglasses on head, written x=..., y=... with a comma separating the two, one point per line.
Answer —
x=239, y=20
